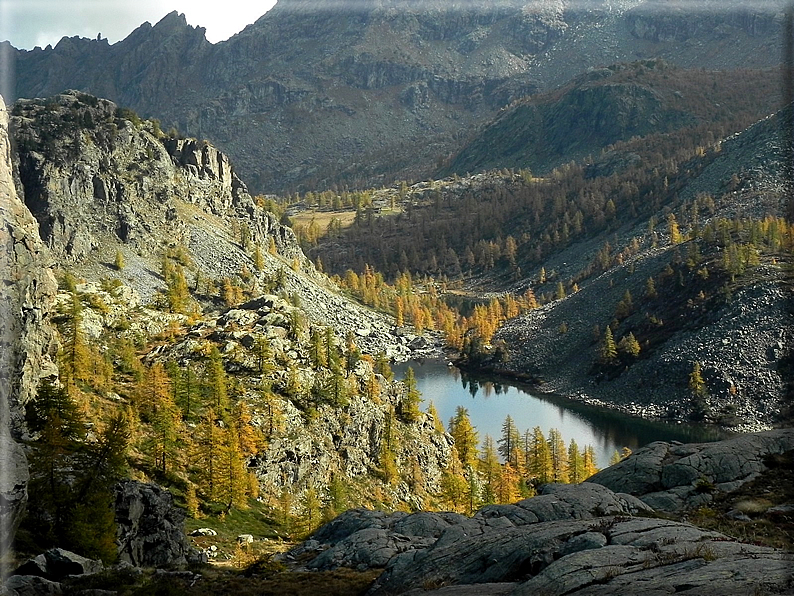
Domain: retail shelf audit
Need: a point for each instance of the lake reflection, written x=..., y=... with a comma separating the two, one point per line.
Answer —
x=489, y=402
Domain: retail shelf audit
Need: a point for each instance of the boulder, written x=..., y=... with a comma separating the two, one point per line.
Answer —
x=58, y=563
x=673, y=477
x=150, y=528
x=31, y=585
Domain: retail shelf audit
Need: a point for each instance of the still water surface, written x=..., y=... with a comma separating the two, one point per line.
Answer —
x=489, y=402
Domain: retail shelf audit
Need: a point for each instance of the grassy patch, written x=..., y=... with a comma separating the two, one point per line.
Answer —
x=755, y=499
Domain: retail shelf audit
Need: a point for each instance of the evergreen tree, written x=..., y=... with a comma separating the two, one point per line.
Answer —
x=317, y=352
x=590, y=467
x=673, y=230
x=559, y=456
x=259, y=259
x=454, y=486
x=338, y=500
x=490, y=469
x=54, y=406
x=388, y=447
x=559, y=294
x=217, y=382
x=629, y=345
x=71, y=480
x=509, y=444
x=507, y=489
x=575, y=463
x=433, y=413
x=162, y=444
x=465, y=437
x=650, y=288
x=541, y=467
x=382, y=367
x=91, y=529
x=177, y=294
x=310, y=517
x=609, y=351
x=409, y=405
x=697, y=386
x=209, y=446
x=74, y=356
x=274, y=417
x=118, y=262
x=232, y=479
x=249, y=438
x=264, y=354
x=332, y=357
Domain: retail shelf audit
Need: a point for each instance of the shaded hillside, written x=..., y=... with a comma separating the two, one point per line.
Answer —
x=613, y=104
x=461, y=225
x=713, y=289
x=310, y=98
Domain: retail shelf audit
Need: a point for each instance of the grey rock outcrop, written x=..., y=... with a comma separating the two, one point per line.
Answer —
x=150, y=530
x=26, y=341
x=570, y=539
x=31, y=585
x=81, y=155
x=675, y=477
x=660, y=21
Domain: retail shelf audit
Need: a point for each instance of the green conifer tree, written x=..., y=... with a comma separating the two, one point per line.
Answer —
x=409, y=406
x=465, y=436
x=559, y=456
x=609, y=351
x=575, y=463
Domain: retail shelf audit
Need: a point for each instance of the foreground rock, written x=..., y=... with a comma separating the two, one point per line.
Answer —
x=674, y=477
x=58, y=563
x=572, y=539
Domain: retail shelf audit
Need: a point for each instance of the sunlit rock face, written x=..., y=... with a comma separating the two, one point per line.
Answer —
x=26, y=339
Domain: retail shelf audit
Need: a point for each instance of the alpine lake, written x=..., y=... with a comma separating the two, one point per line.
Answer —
x=490, y=401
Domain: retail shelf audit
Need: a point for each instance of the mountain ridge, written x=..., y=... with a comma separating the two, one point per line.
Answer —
x=368, y=83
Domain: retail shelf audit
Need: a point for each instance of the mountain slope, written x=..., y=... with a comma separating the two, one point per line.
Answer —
x=614, y=104
x=167, y=264
x=736, y=326
x=376, y=91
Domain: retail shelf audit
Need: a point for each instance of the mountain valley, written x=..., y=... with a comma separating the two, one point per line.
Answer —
x=590, y=198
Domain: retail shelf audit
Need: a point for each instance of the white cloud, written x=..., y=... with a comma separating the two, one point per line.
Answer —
x=222, y=19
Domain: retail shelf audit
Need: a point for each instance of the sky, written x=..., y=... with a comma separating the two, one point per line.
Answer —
x=30, y=23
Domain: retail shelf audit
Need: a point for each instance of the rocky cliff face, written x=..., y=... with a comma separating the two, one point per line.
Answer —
x=78, y=154
x=608, y=105
x=665, y=21
x=26, y=340
x=312, y=97
x=99, y=183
